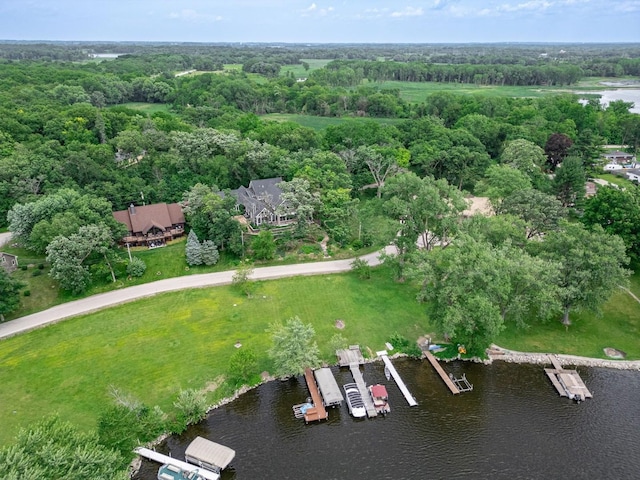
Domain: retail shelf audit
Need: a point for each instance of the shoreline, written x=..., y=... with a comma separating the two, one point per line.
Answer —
x=494, y=353
x=512, y=356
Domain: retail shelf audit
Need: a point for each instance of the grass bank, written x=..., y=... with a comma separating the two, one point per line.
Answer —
x=154, y=347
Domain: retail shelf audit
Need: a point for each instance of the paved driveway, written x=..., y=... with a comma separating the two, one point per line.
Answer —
x=103, y=300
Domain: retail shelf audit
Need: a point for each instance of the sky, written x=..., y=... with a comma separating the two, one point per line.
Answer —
x=322, y=21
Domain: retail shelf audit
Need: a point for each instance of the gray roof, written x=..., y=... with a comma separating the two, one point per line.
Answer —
x=260, y=195
x=205, y=453
x=328, y=387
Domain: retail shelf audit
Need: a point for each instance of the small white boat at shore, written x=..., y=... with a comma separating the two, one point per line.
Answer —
x=354, y=400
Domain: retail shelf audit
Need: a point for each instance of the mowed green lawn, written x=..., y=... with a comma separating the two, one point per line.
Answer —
x=618, y=327
x=154, y=347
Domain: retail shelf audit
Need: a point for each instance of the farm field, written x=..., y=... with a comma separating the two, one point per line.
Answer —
x=148, y=108
x=299, y=71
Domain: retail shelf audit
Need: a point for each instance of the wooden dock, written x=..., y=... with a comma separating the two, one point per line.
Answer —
x=445, y=378
x=317, y=412
x=364, y=392
x=567, y=382
x=350, y=355
x=392, y=370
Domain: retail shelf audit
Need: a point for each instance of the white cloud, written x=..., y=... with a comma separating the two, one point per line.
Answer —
x=534, y=5
x=313, y=9
x=408, y=12
x=190, y=15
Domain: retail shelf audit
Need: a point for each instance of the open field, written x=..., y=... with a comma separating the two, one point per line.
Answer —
x=156, y=346
x=147, y=107
x=319, y=123
x=299, y=71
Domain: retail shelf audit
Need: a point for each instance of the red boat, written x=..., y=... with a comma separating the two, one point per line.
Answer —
x=380, y=398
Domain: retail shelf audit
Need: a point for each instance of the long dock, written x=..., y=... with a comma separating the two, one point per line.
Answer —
x=165, y=460
x=392, y=370
x=445, y=378
x=567, y=382
x=317, y=412
x=364, y=393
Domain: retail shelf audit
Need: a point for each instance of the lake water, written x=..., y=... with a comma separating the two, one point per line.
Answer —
x=625, y=94
x=513, y=425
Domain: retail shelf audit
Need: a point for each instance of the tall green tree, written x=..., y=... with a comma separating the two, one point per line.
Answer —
x=591, y=265
x=540, y=212
x=54, y=449
x=617, y=211
x=473, y=288
x=569, y=183
x=193, y=249
x=9, y=293
x=294, y=347
x=500, y=181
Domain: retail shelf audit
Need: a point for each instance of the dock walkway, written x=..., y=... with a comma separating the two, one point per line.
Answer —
x=317, y=412
x=364, y=393
x=445, y=378
x=567, y=382
x=392, y=370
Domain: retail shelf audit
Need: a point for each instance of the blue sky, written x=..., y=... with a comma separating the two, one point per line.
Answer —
x=323, y=21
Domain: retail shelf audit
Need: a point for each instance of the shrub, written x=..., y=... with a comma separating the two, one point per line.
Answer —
x=36, y=273
x=27, y=293
x=191, y=405
x=136, y=267
x=403, y=345
x=23, y=268
x=242, y=364
x=41, y=266
x=362, y=268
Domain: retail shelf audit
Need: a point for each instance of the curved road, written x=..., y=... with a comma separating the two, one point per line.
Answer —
x=103, y=300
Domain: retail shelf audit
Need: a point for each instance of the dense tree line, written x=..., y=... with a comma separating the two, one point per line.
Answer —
x=480, y=74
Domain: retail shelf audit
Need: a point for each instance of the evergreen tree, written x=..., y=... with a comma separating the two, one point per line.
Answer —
x=209, y=253
x=193, y=250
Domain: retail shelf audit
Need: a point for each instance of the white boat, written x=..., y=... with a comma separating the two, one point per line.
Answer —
x=354, y=400
x=380, y=398
x=172, y=472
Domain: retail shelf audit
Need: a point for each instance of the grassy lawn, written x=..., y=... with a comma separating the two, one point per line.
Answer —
x=319, y=123
x=147, y=107
x=617, y=327
x=154, y=347
x=618, y=180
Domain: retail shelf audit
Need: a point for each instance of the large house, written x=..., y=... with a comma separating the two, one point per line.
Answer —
x=151, y=225
x=261, y=200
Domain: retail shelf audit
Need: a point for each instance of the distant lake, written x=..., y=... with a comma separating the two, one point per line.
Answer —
x=106, y=55
x=624, y=94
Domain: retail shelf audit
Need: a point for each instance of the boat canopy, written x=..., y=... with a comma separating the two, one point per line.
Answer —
x=379, y=391
x=209, y=454
x=329, y=389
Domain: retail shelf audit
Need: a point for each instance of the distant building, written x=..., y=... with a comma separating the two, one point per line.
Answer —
x=151, y=225
x=8, y=261
x=617, y=157
x=633, y=175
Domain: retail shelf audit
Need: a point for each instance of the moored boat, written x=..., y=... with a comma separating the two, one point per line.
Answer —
x=380, y=398
x=354, y=400
x=172, y=472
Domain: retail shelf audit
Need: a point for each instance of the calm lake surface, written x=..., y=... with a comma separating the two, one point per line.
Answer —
x=513, y=425
x=625, y=94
